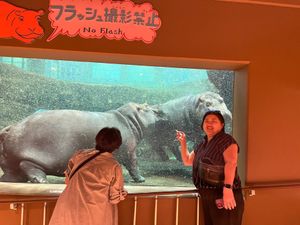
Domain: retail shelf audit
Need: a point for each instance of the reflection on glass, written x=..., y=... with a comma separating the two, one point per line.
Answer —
x=152, y=101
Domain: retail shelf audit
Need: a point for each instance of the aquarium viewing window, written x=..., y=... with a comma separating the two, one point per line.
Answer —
x=156, y=100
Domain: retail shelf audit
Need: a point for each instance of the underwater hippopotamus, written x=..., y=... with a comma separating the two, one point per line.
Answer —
x=184, y=114
x=43, y=143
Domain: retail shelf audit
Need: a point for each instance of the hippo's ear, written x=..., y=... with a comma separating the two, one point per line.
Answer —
x=41, y=12
x=143, y=106
x=221, y=100
x=18, y=12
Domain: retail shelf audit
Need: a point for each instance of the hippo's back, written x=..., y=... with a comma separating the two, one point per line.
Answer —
x=51, y=137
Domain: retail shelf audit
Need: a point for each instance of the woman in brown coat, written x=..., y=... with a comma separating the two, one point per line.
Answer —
x=93, y=188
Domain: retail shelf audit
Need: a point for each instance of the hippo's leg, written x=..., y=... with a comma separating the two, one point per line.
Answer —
x=157, y=146
x=162, y=153
x=131, y=165
x=176, y=151
x=13, y=176
x=34, y=172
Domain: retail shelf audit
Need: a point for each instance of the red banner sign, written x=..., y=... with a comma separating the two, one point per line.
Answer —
x=98, y=18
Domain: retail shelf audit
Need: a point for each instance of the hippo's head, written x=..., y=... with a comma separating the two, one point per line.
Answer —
x=212, y=101
x=141, y=116
x=25, y=25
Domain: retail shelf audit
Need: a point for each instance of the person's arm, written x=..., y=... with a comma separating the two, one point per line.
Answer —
x=117, y=192
x=186, y=156
x=68, y=170
x=70, y=166
x=230, y=157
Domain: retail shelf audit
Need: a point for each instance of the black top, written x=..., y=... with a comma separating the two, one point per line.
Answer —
x=212, y=153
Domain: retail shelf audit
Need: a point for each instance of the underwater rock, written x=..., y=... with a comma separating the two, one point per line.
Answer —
x=23, y=93
x=223, y=81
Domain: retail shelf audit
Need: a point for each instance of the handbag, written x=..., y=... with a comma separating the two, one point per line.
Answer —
x=212, y=174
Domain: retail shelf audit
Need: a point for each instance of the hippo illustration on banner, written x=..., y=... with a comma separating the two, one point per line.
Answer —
x=19, y=23
x=43, y=143
x=184, y=114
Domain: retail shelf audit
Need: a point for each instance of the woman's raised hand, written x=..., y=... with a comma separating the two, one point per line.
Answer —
x=180, y=136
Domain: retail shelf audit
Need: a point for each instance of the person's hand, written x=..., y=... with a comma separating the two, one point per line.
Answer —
x=228, y=199
x=180, y=136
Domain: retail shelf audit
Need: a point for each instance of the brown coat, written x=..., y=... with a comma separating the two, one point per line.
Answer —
x=92, y=194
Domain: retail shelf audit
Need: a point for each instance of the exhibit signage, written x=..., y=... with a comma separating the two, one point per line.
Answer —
x=109, y=19
x=88, y=19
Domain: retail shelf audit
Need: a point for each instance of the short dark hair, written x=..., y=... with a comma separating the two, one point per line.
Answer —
x=216, y=113
x=108, y=139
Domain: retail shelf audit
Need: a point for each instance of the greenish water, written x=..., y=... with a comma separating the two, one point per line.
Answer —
x=28, y=86
x=149, y=77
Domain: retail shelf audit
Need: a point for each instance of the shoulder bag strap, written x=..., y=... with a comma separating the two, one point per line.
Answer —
x=83, y=163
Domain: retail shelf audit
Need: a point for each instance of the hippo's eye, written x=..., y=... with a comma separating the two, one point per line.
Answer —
x=200, y=102
x=207, y=104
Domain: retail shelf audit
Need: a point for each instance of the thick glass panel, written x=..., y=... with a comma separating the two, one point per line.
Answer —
x=148, y=103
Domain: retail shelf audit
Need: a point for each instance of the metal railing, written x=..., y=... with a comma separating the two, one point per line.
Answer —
x=156, y=200
x=249, y=190
x=20, y=204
